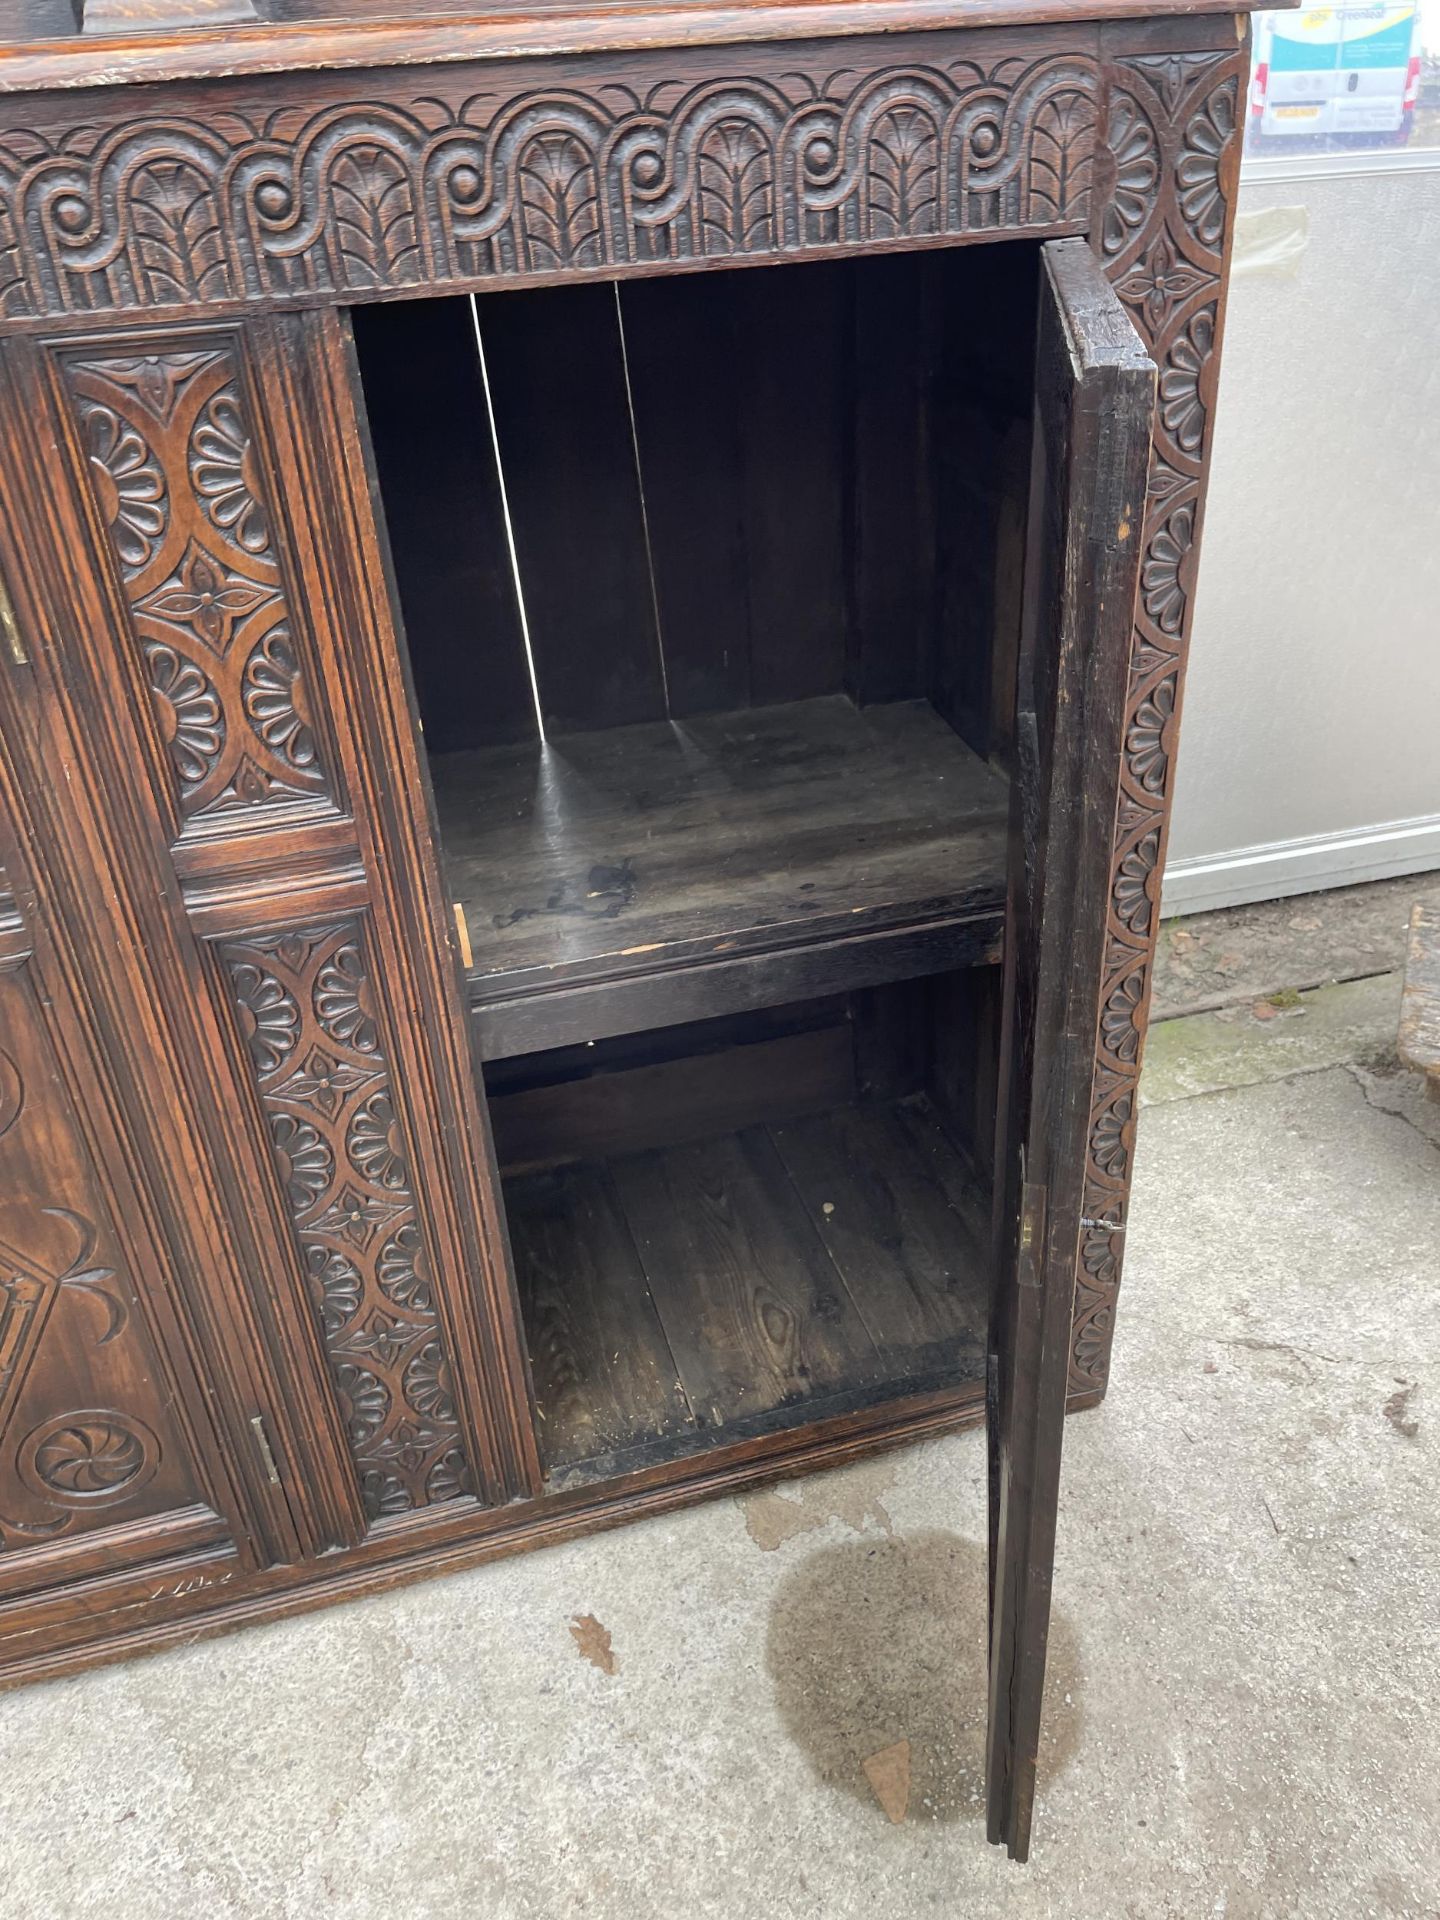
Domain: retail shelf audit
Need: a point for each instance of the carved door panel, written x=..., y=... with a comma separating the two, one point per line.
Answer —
x=103, y=1452
x=230, y=619
x=1093, y=408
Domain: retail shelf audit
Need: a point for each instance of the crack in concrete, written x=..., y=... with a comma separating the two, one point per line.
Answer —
x=1303, y=1354
x=1390, y=1113
x=1147, y=1101
x=1187, y=1010
x=1306, y=1354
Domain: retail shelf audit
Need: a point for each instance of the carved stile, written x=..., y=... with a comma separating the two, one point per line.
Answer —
x=175, y=475
x=1172, y=138
x=313, y=1036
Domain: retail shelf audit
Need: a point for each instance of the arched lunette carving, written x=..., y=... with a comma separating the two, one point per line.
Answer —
x=414, y=189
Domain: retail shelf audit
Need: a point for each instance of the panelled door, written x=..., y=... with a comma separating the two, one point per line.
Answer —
x=118, y=1483
x=211, y=625
x=107, y=1462
x=1094, y=395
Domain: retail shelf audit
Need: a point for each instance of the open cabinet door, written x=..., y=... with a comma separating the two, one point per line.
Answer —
x=1094, y=394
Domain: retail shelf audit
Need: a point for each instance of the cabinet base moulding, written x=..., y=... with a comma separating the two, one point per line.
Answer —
x=213, y=1594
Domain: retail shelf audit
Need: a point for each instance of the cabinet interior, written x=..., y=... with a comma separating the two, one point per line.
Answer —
x=711, y=589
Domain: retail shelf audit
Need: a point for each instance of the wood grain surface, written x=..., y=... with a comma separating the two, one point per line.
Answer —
x=687, y=1293
x=40, y=49
x=1094, y=399
x=622, y=852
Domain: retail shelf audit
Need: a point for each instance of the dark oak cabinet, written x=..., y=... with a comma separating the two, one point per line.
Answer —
x=594, y=609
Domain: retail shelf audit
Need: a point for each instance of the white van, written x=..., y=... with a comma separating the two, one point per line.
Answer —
x=1334, y=77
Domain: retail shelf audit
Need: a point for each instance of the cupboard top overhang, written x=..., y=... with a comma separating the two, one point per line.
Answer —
x=40, y=49
x=298, y=189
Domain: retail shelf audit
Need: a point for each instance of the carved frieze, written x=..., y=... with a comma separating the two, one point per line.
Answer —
x=428, y=186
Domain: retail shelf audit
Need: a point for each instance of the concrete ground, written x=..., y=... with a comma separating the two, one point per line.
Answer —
x=1224, y=959
x=683, y=1719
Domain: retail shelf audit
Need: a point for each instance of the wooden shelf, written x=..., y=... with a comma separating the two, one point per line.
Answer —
x=628, y=879
x=681, y=1299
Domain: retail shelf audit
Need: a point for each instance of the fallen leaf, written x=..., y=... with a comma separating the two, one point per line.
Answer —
x=593, y=1640
x=1395, y=1410
x=889, y=1775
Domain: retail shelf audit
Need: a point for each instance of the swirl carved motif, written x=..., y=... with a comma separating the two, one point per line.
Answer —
x=309, y=1022
x=458, y=183
x=175, y=480
x=1173, y=152
x=90, y=1458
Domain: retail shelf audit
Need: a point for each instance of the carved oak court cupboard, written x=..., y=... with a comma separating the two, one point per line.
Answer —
x=581, y=827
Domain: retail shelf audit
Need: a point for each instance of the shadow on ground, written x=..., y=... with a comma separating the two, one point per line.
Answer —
x=878, y=1641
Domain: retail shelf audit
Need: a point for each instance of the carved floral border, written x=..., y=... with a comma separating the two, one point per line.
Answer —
x=1171, y=141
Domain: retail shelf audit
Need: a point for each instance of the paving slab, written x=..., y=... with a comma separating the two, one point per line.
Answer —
x=1238, y=954
x=1241, y=1694
x=1269, y=1038
x=774, y=1705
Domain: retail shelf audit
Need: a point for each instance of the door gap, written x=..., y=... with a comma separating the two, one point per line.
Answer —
x=517, y=582
x=644, y=512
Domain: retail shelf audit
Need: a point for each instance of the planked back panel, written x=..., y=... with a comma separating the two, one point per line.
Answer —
x=725, y=490
x=441, y=492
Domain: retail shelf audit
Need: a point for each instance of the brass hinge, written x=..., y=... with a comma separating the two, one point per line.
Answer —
x=267, y=1453
x=9, y=626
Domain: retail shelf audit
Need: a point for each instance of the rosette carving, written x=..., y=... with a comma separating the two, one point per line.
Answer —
x=175, y=480
x=306, y=1012
x=1172, y=141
